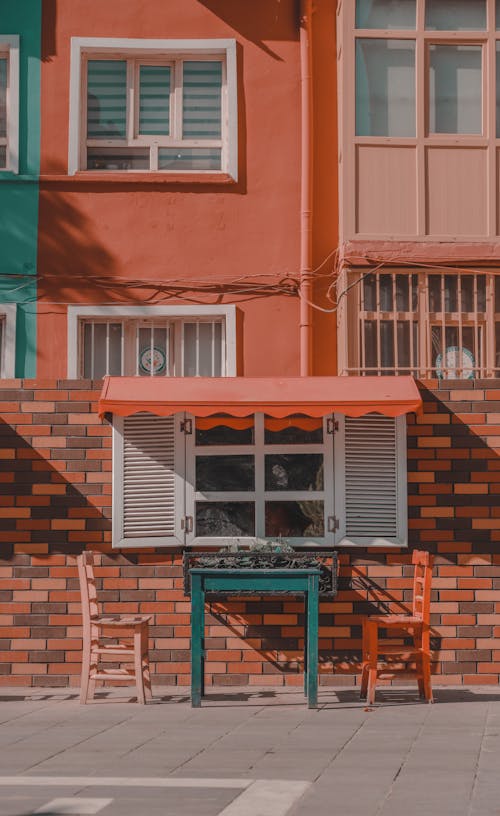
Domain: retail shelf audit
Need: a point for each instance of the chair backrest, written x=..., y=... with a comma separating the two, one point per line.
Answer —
x=88, y=593
x=422, y=577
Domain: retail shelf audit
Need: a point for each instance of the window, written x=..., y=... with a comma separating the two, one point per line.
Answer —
x=421, y=123
x=154, y=106
x=212, y=481
x=7, y=339
x=429, y=324
x=156, y=341
x=9, y=103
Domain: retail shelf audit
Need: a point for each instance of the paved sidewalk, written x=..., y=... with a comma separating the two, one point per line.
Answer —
x=251, y=753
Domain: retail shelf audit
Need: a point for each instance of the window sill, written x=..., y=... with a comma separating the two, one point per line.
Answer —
x=90, y=177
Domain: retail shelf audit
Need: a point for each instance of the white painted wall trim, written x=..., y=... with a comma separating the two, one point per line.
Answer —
x=10, y=43
x=8, y=312
x=77, y=313
x=135, y=47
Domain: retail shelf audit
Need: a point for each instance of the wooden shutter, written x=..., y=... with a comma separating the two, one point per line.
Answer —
x=370, y=482
x=148, y=486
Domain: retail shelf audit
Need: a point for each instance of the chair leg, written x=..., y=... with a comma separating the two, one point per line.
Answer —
x=84, y=685
x=138, y=667
x=364, y=665
x=146, y=677
x=372, y=635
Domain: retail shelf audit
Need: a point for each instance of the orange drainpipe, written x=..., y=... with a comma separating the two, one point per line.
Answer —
x=306, y=188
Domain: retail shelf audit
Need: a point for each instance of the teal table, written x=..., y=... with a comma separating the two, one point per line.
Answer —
x=255, y=581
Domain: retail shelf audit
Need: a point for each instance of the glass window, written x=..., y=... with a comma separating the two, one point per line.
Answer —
x=154, y=99
x=225, y=518
x=294, y=471
x=386, y=14
x=225, y=473
x=224, y=434
x=455, y=15
x=455, y=89
x=106, y=99
x=176, y=123
x=385, y=87
x=498, y=88
x=201, y=100
x=295, y=519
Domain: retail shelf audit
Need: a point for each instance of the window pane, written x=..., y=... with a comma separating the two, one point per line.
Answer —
x=387, y=343
x=434, y=293
x=386, y=295
x=201, y=100
x=386, y=14
x=455, y=15
x=190, y=350
x=225, y=519
x=292, y=435
x=224, y=435
x=3, y=156
x=370, y=343
x=481, y=293
x=467, y=291
x=117, y=158
x=385, y=87
x=217, y=350
x=115, y=349
x=403, y=283
x=154, y=99
x=498, y=14
x=189, y=158
x=99, y=351
x=295, y=518
x=107, y=99
x=450, y=293
x=370, y=293
x=216, y=473
x=3, y=99
x=153, y=358
x=455, y=89
x=294, y=471
x=497, y=349
x=206, y=347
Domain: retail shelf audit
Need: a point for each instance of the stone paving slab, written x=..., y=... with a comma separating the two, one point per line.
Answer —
x=256, y=752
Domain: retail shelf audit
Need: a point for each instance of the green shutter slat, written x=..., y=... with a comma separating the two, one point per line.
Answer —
x=202, y=92
x=154, y=99
x=106, y=99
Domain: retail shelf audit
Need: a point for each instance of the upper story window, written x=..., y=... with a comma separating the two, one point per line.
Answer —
x=421, y=118
x=429, y=324
x=150, y=342
x=9, y=103
x=153, y=106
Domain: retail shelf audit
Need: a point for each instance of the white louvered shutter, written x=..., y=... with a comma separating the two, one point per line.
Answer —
x=148, y=481
x=371, y=480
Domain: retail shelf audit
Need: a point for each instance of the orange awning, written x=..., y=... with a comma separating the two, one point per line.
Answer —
x=277, y=397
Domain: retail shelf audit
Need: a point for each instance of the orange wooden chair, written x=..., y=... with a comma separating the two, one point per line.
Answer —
x=417, y=625
x=133, y=649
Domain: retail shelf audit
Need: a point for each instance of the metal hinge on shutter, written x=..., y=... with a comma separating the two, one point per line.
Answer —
x=333, y=524
x=331, y=425
x=187, y=426
x=187, y=524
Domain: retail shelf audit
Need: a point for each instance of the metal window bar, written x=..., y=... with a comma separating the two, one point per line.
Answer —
x=430, y=327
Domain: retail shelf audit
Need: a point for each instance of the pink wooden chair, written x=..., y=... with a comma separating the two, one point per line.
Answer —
x=133, y=649
x=416, y=624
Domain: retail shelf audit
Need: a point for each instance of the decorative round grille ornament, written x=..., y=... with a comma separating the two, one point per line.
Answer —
x=455, y=364
x=152, y=360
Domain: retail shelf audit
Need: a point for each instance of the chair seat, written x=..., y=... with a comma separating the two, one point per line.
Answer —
x=136, y=620
x=395, y=620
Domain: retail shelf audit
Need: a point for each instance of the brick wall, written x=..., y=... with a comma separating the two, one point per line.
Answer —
x=55, y=499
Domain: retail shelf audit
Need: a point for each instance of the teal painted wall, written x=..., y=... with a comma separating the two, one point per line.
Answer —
x=19, y=194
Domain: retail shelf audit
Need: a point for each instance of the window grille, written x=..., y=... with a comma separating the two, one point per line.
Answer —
x=429, y=324
x=193, y=348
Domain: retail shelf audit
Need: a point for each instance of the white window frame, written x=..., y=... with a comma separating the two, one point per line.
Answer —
x=9, y=48
x=160, y=52
x=8, y=313
x=76, y=314
x=334, y=493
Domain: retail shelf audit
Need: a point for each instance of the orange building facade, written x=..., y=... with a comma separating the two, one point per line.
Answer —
x=259, y=190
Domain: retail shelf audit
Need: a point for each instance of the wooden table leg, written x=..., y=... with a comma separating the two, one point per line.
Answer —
x=197, y=639
x=312, y=640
